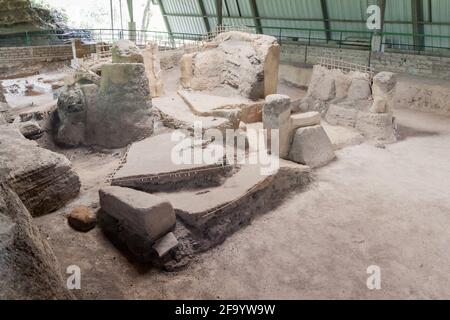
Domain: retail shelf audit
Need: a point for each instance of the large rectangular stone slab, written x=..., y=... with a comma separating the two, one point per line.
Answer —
x=149, y=166
x=143, y=214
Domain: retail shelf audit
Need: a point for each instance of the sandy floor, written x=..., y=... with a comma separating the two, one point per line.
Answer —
x=387, y=207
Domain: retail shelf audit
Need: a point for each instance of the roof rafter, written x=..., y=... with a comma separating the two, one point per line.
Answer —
x=256, y=16
x=201, y=4
x=326, y=19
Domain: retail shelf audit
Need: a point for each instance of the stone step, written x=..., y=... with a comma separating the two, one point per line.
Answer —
x=217, y=211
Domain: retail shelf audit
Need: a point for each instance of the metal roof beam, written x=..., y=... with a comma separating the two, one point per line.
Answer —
x=326, y=19
x=130, y=10
x=205, y=18
x=219, y=6
x=165, y=15
x=382, y=5
x=418, y=28
x=256, y=16
x=430, y=11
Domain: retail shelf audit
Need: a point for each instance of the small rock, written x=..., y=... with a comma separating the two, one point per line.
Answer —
x=82, y=219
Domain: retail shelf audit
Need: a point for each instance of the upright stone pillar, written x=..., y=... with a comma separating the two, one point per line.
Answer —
x=153, y=69
x=121, y=114
x=276, y=115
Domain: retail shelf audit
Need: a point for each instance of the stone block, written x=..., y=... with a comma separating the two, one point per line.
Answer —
x=342, y=83
x=241, y=62
x=142, y=214
x=378, y=127
x=276, y=115
x=187, y=70
x=121, y=113
x=312, y=147
x=359, y=89
x=71, y=111
x=43, y=180
x=152, y=65
x=165, y=244
x=28, y=266
x=383, y=84
x=378, y=105
x=306, y=119
x=322, y=86
x=126, y=51
x=341, y=116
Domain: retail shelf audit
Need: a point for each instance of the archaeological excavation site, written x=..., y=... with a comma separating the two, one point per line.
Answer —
x=224, y=150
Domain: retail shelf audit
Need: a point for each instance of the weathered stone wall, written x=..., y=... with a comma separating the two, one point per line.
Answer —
x=294, y=53
x=41, y=53
x=422, y=65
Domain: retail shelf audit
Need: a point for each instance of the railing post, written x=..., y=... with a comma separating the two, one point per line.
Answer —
x=381, y=41
x=340, y=41
x=309, y=37
x=27, y=39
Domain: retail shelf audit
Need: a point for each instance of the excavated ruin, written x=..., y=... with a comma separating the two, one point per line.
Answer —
x=145, y=107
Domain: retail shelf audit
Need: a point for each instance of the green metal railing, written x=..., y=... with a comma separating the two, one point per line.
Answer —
x=412, y=43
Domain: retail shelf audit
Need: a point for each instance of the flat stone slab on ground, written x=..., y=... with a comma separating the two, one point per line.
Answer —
x=207, y=104
x=197, y=207
x=342, y=137
x=176, y=114
x=149, y=165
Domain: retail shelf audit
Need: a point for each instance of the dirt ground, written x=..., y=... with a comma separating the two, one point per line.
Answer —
x=372, y=206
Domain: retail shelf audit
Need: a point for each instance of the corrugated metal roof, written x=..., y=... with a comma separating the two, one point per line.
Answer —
x=279, y=17
x=182, y=6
